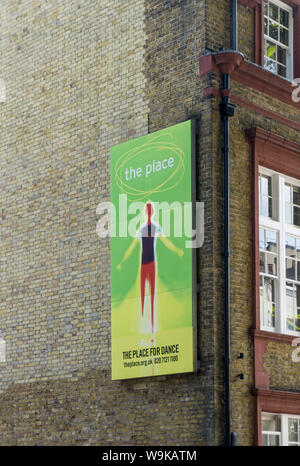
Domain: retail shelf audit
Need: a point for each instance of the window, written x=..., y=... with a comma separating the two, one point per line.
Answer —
x=292, y=204
x=280, y=430
x=279, y=252
x=278, y=31
x=271, y=430
x=268, y=245
x=265, y=191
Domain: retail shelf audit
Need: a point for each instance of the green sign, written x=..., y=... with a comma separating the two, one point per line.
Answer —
x=152, y=279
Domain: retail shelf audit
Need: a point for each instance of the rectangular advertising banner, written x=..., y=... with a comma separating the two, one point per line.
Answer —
x=152, y=265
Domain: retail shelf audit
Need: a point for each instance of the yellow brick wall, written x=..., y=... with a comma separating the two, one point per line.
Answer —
x=75, y=86
x=245, y=32
x=283, y=371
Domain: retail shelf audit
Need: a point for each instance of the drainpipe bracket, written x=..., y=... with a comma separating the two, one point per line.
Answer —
x=227, y=109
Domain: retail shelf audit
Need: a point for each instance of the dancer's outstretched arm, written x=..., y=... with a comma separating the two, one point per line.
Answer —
x=168, y=243
x=128, y=253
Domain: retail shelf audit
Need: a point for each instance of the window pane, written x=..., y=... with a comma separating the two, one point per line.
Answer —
x=265, y=196
x=293, y=426
x=266, y=7
x=261, y=239
x=270, y=65
x=288, y=193
x=290, y=308
x=265, y=440
x=282, y=71
x=269, y=185
x=270, y=213
x=290, y=299
x=290, y=246
x=271, y=48
x=273, y=11
x=268, y=307
x=269, y=290
x=274, y=440
x=271, y=264
x=271, y=422
x=281, y=55
x=290, y=269
x=273, y=33
x=261, y=294
x=292, y=312
x=284, y=18
x=271, y=241
x=288, y=213
x=266, y=26
x=297, y=216
x=266, y=185
x=293, y=209
x=296, y=195
x=284, y=36
x=264, y=202
x=262, y=262
x=298, y=248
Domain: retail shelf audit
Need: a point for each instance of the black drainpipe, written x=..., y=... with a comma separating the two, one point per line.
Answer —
x=227, y=111
x=234, y=28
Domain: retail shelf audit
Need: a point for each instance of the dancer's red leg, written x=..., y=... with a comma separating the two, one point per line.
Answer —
x=152, y=290
x=143, y=283
x=148, y=275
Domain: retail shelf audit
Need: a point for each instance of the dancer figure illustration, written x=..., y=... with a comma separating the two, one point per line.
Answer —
x=147, y=234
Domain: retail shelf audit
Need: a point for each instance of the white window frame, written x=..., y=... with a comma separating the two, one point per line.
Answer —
x=277, y=223
x=283, y=434
x=274, y=433
x=290, y=47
